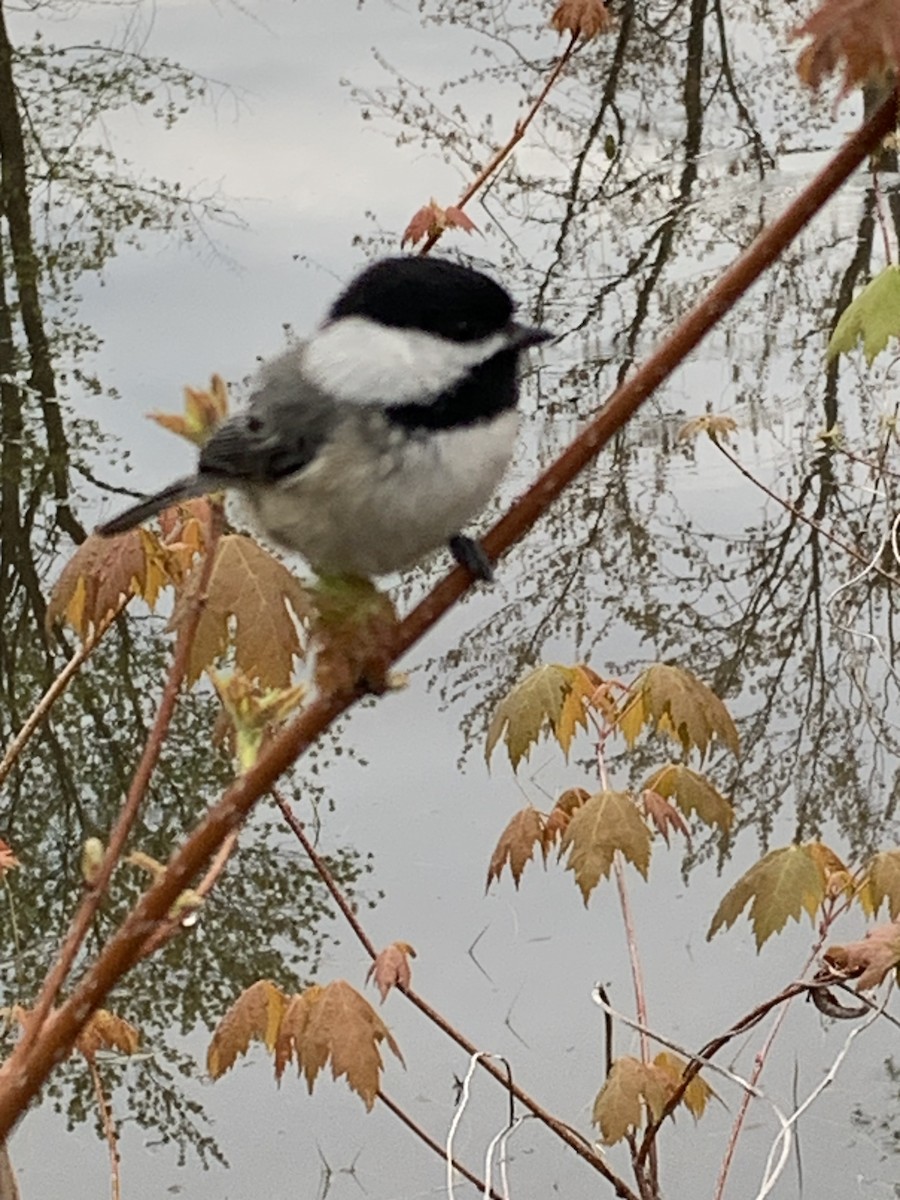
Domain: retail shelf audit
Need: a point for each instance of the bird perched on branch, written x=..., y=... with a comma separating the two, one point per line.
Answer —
x=382, y=435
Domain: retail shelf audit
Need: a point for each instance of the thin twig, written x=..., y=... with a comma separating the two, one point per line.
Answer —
x=500, y=156
x=39, y=713
x=109, y=1131
x=570, y=1136
x=435, y=1145
x=83, y=918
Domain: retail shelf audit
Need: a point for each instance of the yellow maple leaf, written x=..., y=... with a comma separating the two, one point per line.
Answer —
x=698, y=1092
x=606, y=823
x=882, y=882
x=536, y=705
x=204, y=410
x=784, y=883
x=693, y=793
x=105, y=1031
x=678, y=704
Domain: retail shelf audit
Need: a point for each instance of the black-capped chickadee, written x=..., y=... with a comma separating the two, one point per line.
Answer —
x=377, y=439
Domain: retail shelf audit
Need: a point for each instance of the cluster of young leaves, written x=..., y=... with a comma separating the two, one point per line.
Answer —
x=636, y=1092
x=555, y=701
x=331, y=1023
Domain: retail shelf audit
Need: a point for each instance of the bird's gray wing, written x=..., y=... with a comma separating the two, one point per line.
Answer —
x=280, y=432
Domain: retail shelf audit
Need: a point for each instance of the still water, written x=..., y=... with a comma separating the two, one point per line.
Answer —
x=310, y=135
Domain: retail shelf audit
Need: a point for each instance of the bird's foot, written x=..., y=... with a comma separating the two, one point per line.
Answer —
x=470, y=553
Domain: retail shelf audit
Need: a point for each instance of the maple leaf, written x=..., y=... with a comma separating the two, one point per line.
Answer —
x=631, y=1088
x=784, y=883
x=837, y=878
x=607, y=822
x=203, y=411
x=8, y=860
x=863, y=34
x=254, y=711
x=560, y=814
x=431, y=220
x=103, y=573
x=105, y=1031
x=698, y=1092
x=391, y=967
x=678, y=704
x=574, y=708
x=256, y=1015
x=354, y=630
x=584, y=18
x=251, y=588
x=715, y=427
x=335, y=1022
x=516, y=845
x=693, y=793
x=873, y=317
x=537, y=704
x=663, y=814
x=868, y=961
x=882, y=882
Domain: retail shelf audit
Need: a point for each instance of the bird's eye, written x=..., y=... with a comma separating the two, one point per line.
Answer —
x=254, y=424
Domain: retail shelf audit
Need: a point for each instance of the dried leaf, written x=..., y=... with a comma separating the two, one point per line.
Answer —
x=203, y=411
x=693, y=793
x=335, y=1022
x=516, y=844
x=391, y=967
x=584, y=18
x=663, y=814
x=864, y=35
x=870, y=960
x=353, y=631
x=872, y=318
x=431, y=220
x=105, y=1031
x=677, y=703
x=783, y=884
x=105, y=572
x=631, y=1088
x=256, y=1015
x=253, y=590
x=533, y=706
x=715, y=427
x=606, y=823
x=698, y=1092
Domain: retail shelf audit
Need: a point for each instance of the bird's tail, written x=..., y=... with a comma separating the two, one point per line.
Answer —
x=181, y=489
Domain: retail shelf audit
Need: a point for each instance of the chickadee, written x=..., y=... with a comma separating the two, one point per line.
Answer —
x=381, y=436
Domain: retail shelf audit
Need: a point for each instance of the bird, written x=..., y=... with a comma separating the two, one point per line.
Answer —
x=381, y=436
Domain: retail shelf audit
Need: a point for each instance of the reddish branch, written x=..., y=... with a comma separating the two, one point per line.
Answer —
x=24, y=1072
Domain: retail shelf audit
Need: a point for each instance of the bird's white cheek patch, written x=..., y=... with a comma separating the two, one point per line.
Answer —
x=359, y=362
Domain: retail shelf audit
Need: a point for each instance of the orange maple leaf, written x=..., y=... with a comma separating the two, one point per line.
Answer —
x=105, y=1031
x=204, y=409
x=561, y=814
x=517, y=844
x=864, y=35
x=391, y=967
x=431, y=220
x=334, y=1022
x=584, y=18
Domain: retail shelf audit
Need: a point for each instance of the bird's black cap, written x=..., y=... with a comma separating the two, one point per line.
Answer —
x=431, y=294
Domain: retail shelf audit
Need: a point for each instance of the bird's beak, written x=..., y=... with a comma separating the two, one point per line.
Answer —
x=523, y=336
